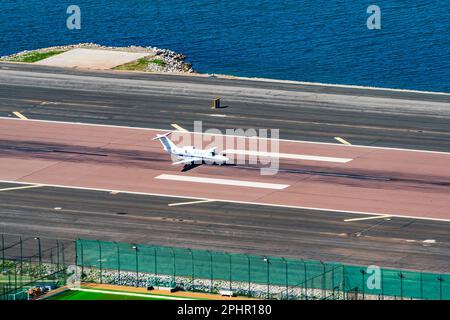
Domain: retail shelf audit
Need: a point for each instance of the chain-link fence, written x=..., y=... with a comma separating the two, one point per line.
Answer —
x=250, y=275
x=361, y=283
x=29, y=262
x=207, y=271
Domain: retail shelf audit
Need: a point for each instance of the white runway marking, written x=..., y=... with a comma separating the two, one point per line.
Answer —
x=178, y=127
x=187, y=203
x=227, y=182
x=222, y=135
x=368, y=218
x=21, y=187
x=343, y=141
x=154, y=194
x=19, y=115
x=287, y=156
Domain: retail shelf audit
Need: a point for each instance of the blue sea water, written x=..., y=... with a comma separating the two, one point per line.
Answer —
x=317, y=41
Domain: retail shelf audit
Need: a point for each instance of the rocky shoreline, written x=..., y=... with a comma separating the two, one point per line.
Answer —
x=167, y=60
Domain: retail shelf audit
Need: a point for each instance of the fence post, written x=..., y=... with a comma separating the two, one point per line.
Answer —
x=118, y=260
x=211, y=270
x=401, y=284
x=363, y=273
x=174, y=265
x=156, y=264
x=57, y=255
x=268, y=276
x=286, y=277
x=82, y=258
x=249, y=278
x=63, y=255
x=136, y=249
x=192, y=266
x=421, y=286
x=324, y=274
x=15, y=276
x=229, y=259
x=100, y=261
x=332, y=281
x=440, y=279
x=21, y=260
x=306, y=279
x=3, y=250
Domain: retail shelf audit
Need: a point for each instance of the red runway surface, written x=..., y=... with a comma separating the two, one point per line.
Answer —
x=375, y=180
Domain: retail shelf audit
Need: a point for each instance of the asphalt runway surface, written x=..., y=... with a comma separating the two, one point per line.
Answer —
x=301, y=112
x=321, y=176
x=262, y=230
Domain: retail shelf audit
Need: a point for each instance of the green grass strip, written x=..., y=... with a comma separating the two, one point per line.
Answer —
x=34, y=56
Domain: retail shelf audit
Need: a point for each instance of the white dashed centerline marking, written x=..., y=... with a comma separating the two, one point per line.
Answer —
x=227, y=182
x=287, y=156
x=368, y=218
x=187, y=203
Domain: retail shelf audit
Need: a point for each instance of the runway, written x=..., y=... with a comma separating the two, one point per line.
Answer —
x=332, y=177
x=261, y=230
x=115, y=183
x=301, y=112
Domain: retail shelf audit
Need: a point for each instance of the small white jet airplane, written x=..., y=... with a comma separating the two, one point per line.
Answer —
x=190, y=156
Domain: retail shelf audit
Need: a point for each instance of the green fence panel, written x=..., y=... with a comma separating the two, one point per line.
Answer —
x=309, y=279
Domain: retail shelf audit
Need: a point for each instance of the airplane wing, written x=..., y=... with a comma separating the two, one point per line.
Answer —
x=187, y=161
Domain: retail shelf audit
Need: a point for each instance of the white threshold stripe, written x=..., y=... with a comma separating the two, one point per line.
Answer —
x=187, y=203
x=131, y=294
x=224, y=135
x=368, y=218
x=287, y=156
x=227, y=182
x=153, y=194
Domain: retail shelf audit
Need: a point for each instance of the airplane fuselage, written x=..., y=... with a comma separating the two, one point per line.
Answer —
x=206, y=156
x=189, y=155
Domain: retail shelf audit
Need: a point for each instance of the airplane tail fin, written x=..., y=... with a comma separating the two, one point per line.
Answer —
x=165, y=141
